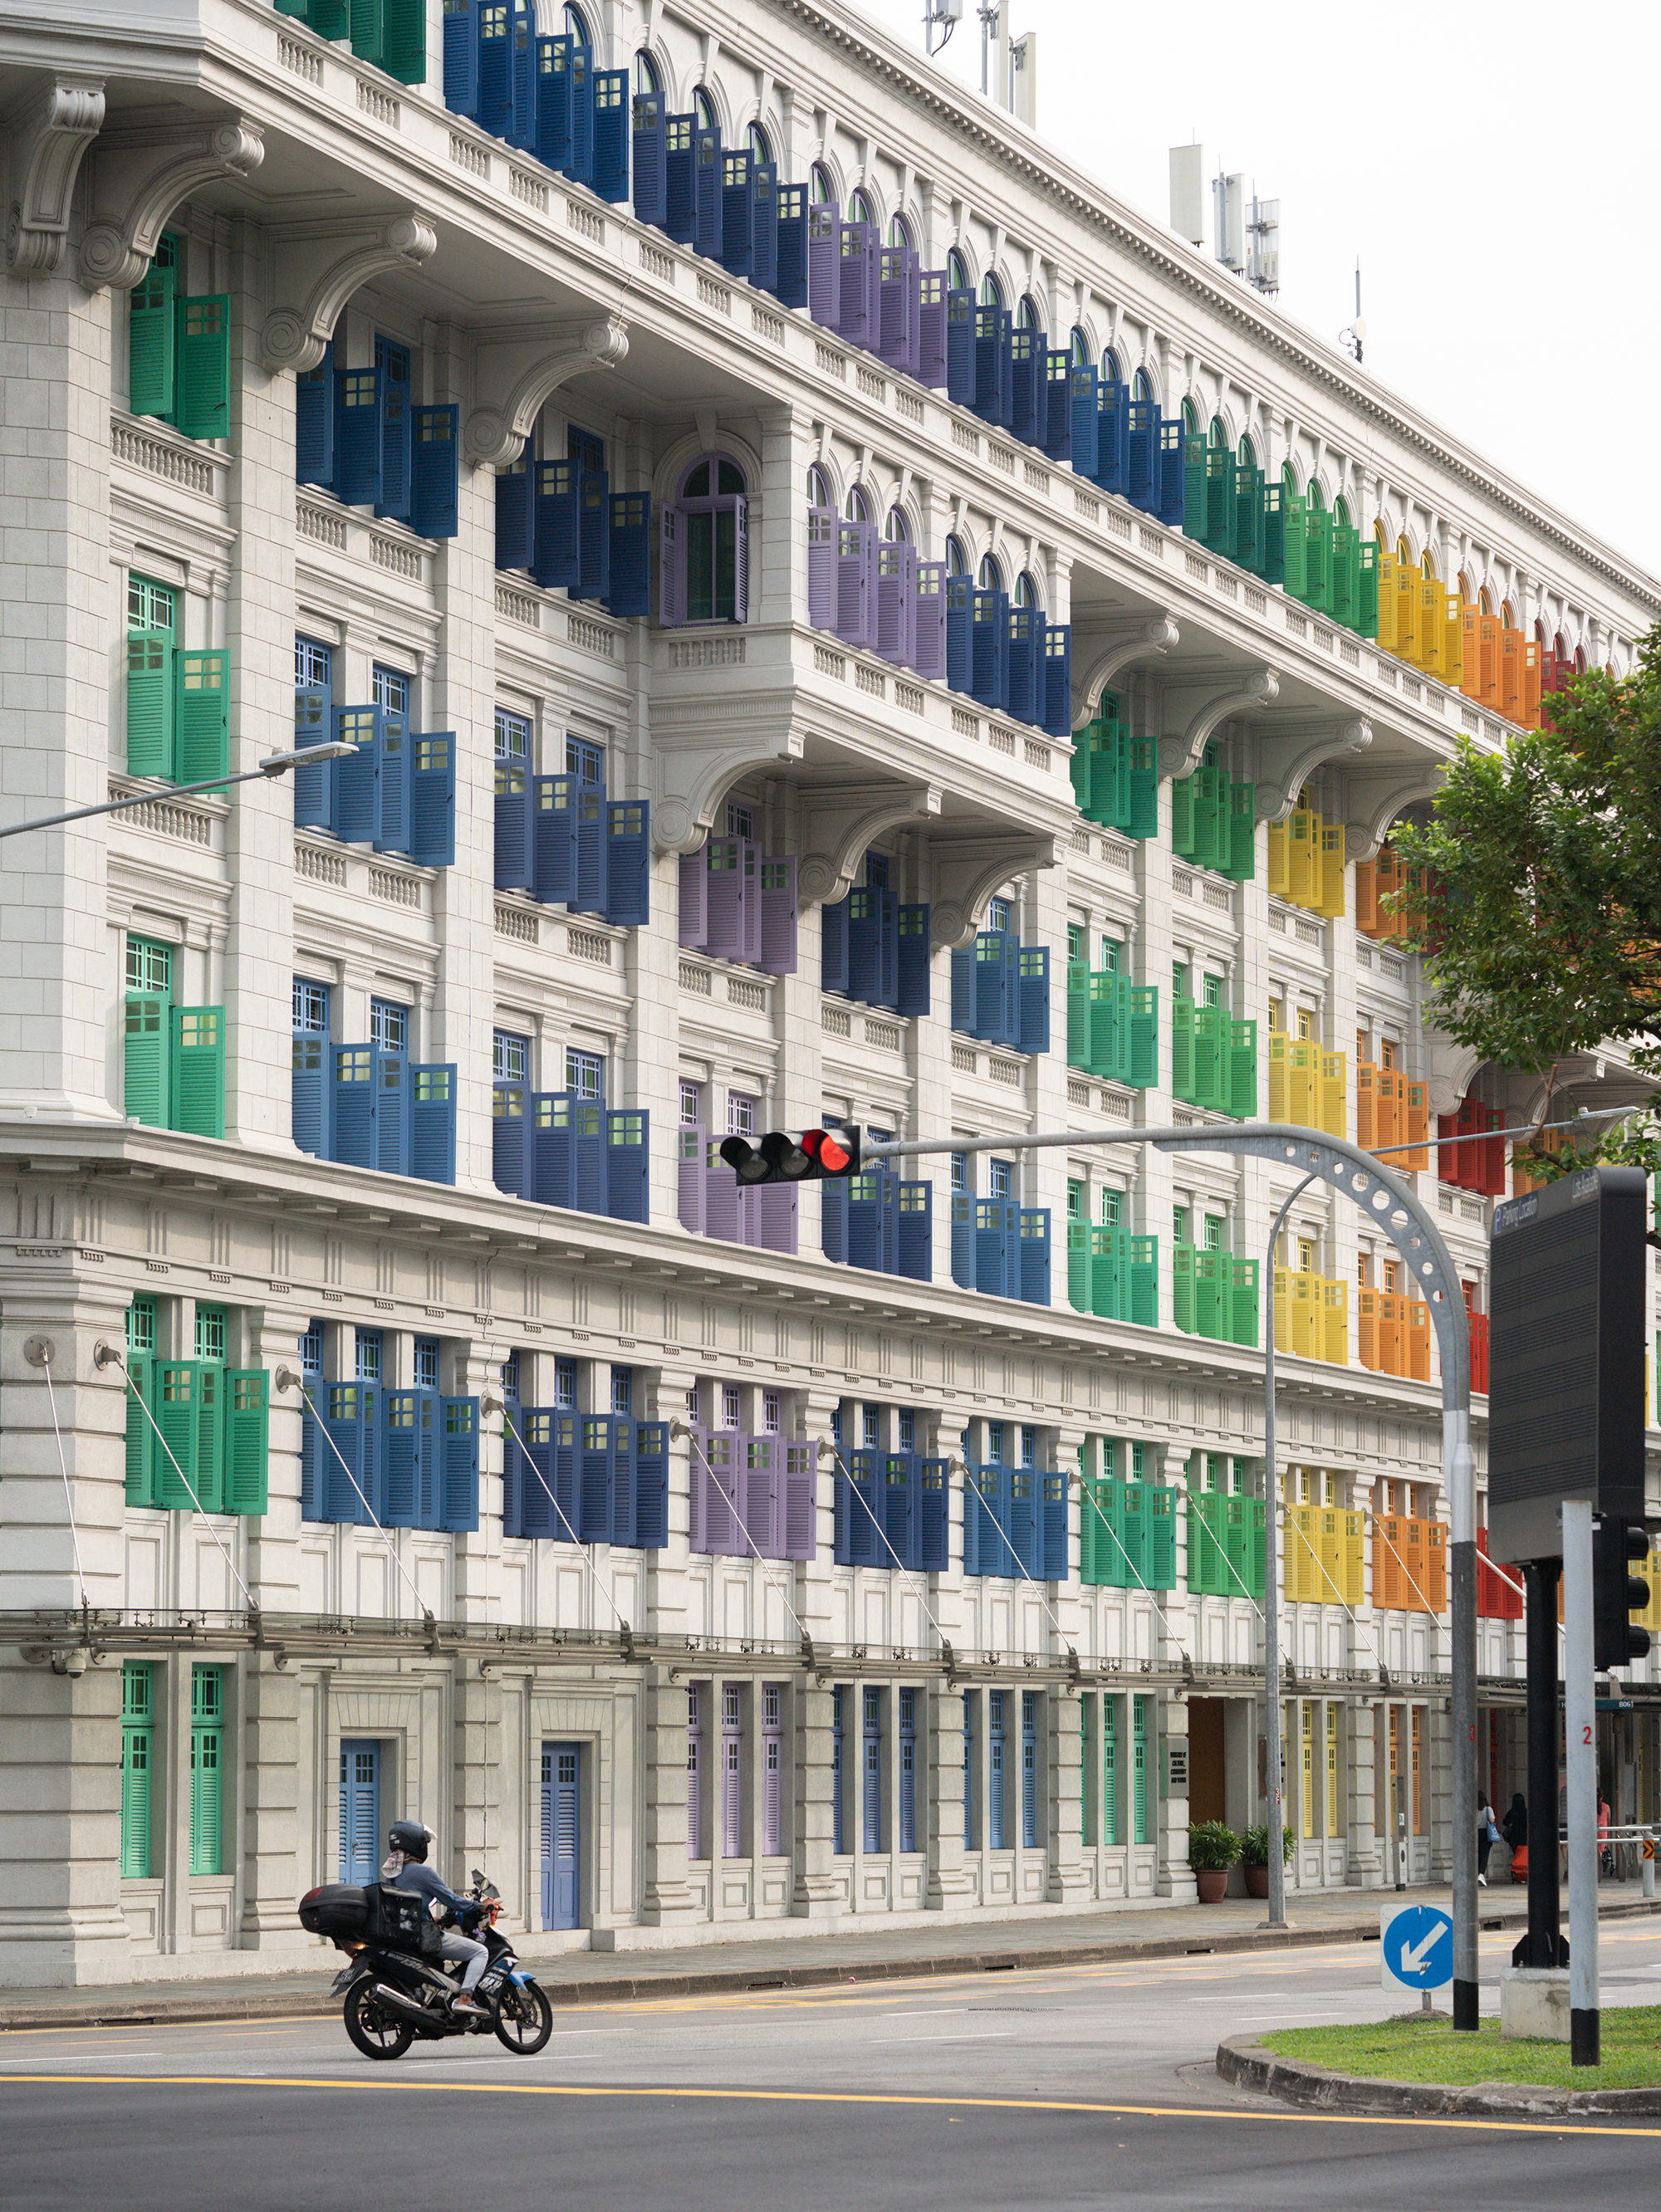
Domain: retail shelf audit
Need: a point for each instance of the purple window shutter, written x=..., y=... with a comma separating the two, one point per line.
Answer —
x=747, y=1217
x=672, y=568
x=749, y=907
x=689, y=1192
x=869, y=540
x=855, y=560
x=928, y=614
x=800, y=1483
x=896, y=587
x=775, y=1218
x=694, y=1763
x=721, y=1196
x=740, y=559
x=731, y=1745
x=822, y=568
x=694, y=899
x=698, y=1483
x=914, y=316
x=723, y=858
x=931, y=328
x=778, y=918
x=759, y=1498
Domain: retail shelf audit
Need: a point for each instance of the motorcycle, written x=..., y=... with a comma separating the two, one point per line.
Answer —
x=396, y=1986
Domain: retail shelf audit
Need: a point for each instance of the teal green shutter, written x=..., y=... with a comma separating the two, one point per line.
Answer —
x=1162, y=1539
x=1241, y=1071
x=147, y=1056
x=210, y=1435
x=201, y=714
x=1139, y=1766
x=196, y=1073
x=149, y=703
x=202, y=384
x=150, y=344
x=140, y=1435
x=1109, y=1769
x=1183, y=794
x=207, y=1750
x=178, y=1395
x=369, y=30
x=1296, y=547
x=248, y=1439
x=403, y=42
x=136, y=1742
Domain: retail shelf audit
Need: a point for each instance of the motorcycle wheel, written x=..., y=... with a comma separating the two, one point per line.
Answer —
x=525, y=2019
x=378, y=2032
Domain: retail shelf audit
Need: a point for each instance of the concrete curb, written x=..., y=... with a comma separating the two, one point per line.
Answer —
x=1245, y=2064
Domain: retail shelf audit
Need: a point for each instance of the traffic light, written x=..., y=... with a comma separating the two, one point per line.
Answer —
x=1615, y=1593
x=816, y=1156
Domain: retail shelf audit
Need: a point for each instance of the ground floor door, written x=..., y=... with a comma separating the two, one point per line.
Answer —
x=1208, y=1761
x=360, y=1810
x=561, y=1767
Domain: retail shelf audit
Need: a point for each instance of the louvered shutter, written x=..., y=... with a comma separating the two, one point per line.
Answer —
x=778, y=914
x=690, y=1145
x=461, y=58
x=764, y=227
x=834, y=947
x=558, y=556
x=724, y=1213
x=621, y=1481
x=928, y=600
x=1112, y=434
x=896, y=591
x=672, y=568
x=865, y=1221
x=151, y=335
x=706, y=195
x=931, y=323
x=991, y=1247
x=432, y=786
x=915, y=1231
x=359, y=404
x=551, y=68
x=864, y=926
x=432, y=1144
x=555, y=819
x=628, y=1134
x=515, y=536
x=649, y=1484
x=679, y=160
x=822, y=574
x=1173, y=476
x=1074, y=404
x=1035, y=1255
x=147, y=1058
x=459, y=1464
x=202, y=372
x=1142, y=455
x=1022, y=651
x=651, y=174
x=150, y=683
x=724, y=893
x=610, y=176
x=201, y=714
x=396, y=467
x=588, y=1156
x=1053, y=1553
x=855, y=544
x=856, y=251
x=738, y=237
x=196, y=1076
x=960, y=348
x=630, y=554
x=989, y=679
x=593, y=576
x=773, y=1217
x=893, y=334
x=913, y=957
x=1055, y=702
x=1034, y=1033
x=723, y=1450
x=580, y=165
x=177, y=1406
x=434, y=497
x=400, y=1458
x=351, y=1104
x=628, y=874
x=759, y=1501
x=694, y=877
x=140, y=1436
x=510, y=1149
x=367, y=19
x=511, y=869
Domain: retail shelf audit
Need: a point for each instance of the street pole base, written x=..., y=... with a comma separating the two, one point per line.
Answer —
x=1464, y=2007
x=1584, y=2037
x=1277, y=1923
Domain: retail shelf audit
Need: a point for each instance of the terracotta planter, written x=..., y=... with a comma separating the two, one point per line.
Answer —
x=1257, y=1880
x=1213, y=1884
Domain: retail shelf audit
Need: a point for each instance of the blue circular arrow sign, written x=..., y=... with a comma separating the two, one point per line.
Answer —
x=1418, y=1947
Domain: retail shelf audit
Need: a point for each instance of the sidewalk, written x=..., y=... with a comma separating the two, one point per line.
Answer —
x=876, y=1952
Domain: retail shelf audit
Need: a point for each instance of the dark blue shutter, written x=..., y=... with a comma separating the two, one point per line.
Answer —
x=865, y=1221
x=308, y=1094
x=351, y=1105
x=896, y=1503
x=1058, y=403
x=824, y=264
x=934, y=1519
x=1027, y=378
x=588, y=890
x=865, y=1544
x=459, y=1464
x=1142, y=455
x=631, y=553
x=516, y=1473
x=433, y=798
x=1053, y=1513
x=989, y=647
x=651, y=1484
x=358, y=405
x=959, y=632
x=651, y=186
x=393, y=762
x=1173, y=474
x=393, y=499
x=553, y=101
x=510, y=1148
x=533, y=1490
x=596, y=1474
x=400, y=1436
x=1035, y=1255
x=315, y=784
x=914, y=1240
x=1055, y=699
x=706, y=194
x=960, y=348
x=628, y=862
x=314, y=1475
x=581, y=166
x=350, y=1422
x=856, y=257
x=833, y=935
x=963, y=989
x=593, y=576
x=521, y=131
x=679, y=167
x=515, y=539
x=588, y=1156
x=433, y=497
x=551, y=1148
x=913, y=956
x=512, y=870
x=1034, y=998
x=431, y=1091
x=610, y=179
x=738, y=242
x=992, y=1227
x=1021, y=681
x=461, y=58
x=764, y=227
x=790, y=284
x=622, y=1480
x=865, y=945
x=557, y=484
x=496, y=67
x=1021, y=1521
x=391, y=1113
x=963, y=1239
x=554, y=851
x=1112, y=417
x=833, y=1218
x=314, y=422
x=628, y=1149
x=1085, y=405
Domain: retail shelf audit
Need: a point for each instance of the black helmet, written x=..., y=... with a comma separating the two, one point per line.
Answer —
x=411, y=1838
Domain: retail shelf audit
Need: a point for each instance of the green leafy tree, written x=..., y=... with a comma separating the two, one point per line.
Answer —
x=1542, y=927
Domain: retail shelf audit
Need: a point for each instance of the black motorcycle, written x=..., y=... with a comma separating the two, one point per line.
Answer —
x=396, y=1985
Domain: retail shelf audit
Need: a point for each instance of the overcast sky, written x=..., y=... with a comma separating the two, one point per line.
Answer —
x=1484, y=164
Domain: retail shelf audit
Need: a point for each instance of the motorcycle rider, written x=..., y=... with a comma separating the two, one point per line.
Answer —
x=410, y=1839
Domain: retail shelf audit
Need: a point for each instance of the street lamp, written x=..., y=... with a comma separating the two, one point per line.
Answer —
x=274, y=764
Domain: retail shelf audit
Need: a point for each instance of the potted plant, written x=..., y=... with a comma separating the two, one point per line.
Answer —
x=1254, y=1857
x=1211, y=1849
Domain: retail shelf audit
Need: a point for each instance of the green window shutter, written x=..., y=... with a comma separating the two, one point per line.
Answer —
x=147, y=1058
x=1210, y=1043
x=201, y=404
x=1196, y=521
x=197, y=1071
x=177, y=1397
x=1110, y=1769
x=1139, y=1770
x=1296, y=547
x=1182, y=1287
x=1143, y=793
x=300, y=9
x=1182, y=1049
x=404, y=44
x=1144, y=1037
x=149, y=703
x=1162, y=1539
x=248, y=1439
x=210, y=1435
x=1242, y=1100
x=1243, y=1303
x=140, y=1437
x=207, y=1750
x=136, y=1742
x=1183, y=792
x=150, y=381
x=1241, y=850
x=201, y=715
x=369, y=30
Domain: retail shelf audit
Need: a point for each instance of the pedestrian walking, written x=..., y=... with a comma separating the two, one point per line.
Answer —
x=1488, y=1835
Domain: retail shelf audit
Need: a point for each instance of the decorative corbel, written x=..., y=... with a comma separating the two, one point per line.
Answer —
x=1154, y=637
x=1372, y=803
x=530, y=368
x=49, y=134
x=296, y=337
x=1180, y=757
x=1449, y=1068
x=1286, y=762
x=695, y=774
x=840, y=829
x=966, y=870
x=116, y=249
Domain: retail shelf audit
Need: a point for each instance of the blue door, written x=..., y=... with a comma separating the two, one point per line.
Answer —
x=559, y=1834
x=360, y=1810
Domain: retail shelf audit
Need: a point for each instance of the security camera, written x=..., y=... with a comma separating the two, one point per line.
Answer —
x=73, y=1663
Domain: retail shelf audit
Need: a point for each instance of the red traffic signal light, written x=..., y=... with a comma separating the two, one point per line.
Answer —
x=819, y=1155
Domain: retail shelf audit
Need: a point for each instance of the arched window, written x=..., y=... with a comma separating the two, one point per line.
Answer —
x=1579, y=660
x=704, y=109
x=859, y=507
x=1507, y=614
x=1219, y=432
x=1110, y=368
x=819, y=185
x=1288, y=480
x=1428, y=565
x=1246, y=451
x=1405, y=552
x=860, y=208
x=991, y=576
x=1144, y=385
x=1315, y=498
x=819, y=491
x=957, y=560
x=1484, y=601
x=1028, y=317
x=646, y=72
x=761, y=150
x=706, y=546
x=899, y=233
x=1080, y=349
x=576, y=26
x=897, y=529
x=991, y=291
x=1026, y=591
x=957, y=272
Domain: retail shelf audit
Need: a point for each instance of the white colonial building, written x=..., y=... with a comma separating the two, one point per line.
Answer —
x=828, y=616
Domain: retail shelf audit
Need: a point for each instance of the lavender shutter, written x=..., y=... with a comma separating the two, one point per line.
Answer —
x=801, y=1481
x=928, y=620
x=896, y=587
x=750, y=937
x=557, y=484
x=721, y=1196
x=672, y=568
x=551, y=1156
x=913, y=316
x=778, y=916
x=628, y=873
x=764, y=227
x=833, y=941
x=691, y=1144
x=721, y=1449
x=651, y=186
x=740, y=559
x=773, y=1217
x=759, y=1501
x=679, y=162
x=790, y=284
x=822, y=574
x=915, y=1231
x=555, y=841
x=855, y=543
x=913, y=954
x=823, y=266
x=724, y=859
x=893, y=332
x=931, y=329
x=694, y=899
x=730, y=1776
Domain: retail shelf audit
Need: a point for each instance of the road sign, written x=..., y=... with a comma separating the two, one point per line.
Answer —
x=1649, y=1847
x=1417, y=1946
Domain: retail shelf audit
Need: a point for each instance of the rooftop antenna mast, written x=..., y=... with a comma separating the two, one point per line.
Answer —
x=942, y=16
x=1354, y=337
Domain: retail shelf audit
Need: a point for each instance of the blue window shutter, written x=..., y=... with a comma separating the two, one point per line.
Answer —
x=623, y=1529
x=865, y=1222
x=824, y=264
x=392, y=762
x=1085, y=404
x=764, y=227
x=1053, y=1564
x=628, y=1151
x=460, y=1464
x=393, y=497
x=461, y=58
x=595, y=1471
x=314, y=422
x=539, y=1426
x=355, y=776
x=679, y=171
x=865, y=1545
x=790, y=281
x=552, y=1156
x=1112, y=417
x=628, y=862
x=963, y=1239
x=888, y=993
x=314, y=1475
x=434, y=501
x=553, y=101
x=342, y=1407
x=989, y=400
x=593, y=577
x=612, y=135
x=865, y=945
x=856, y=251
x=916, y=1233
x=1034, y=998
x=706, y=194
x=515, y=485
x=308, y=1094
x=431, y=1149
x=1055, y=702
x=963, y=989
x=400, y=1458
x=651, y=1484
x=1035, y=1255
x=630, y=556
x=933, y=1519
x=1021, y=650
x=972, y=1510
x=1173, y=474
x=314, y=785
x=1142, y=455
x=989, y=640
x=581, y=166
x=914, y=955
x=511, y=868
x=588, y=891
x=833, y=937
x=991, y=1247
x=1026, y=363
x=351, y=1116
x=510, y=1140
x=651, y=181
x=555, y=841
x=588, y=1156
x=961, y=349
x=432, y=782
x=833, y=1215
x=988, y=1020
x=737, y=238
x=959, y=634
x=898, y=1523
x=557, y=484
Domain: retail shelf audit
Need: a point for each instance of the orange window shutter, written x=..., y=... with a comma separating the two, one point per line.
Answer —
x=1510, y=674
x=1470, y=655
x=1407, y=614
x=1416, y=1130
x=1388, y=1118
x=1368, y=1326
x=1418, y=1340
x=1366, y=898
x=1436, y=1546
x=1489, y=692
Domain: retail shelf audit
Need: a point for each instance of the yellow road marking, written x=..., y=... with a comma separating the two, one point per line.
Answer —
x=425, y=2084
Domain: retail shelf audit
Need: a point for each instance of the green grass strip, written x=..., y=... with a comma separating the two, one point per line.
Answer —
x=1419, y=2047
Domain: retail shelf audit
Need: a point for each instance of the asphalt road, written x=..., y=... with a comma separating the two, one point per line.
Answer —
x=1081, y=2086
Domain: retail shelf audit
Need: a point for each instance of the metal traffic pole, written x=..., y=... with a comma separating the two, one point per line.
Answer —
x=1275, y=1777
